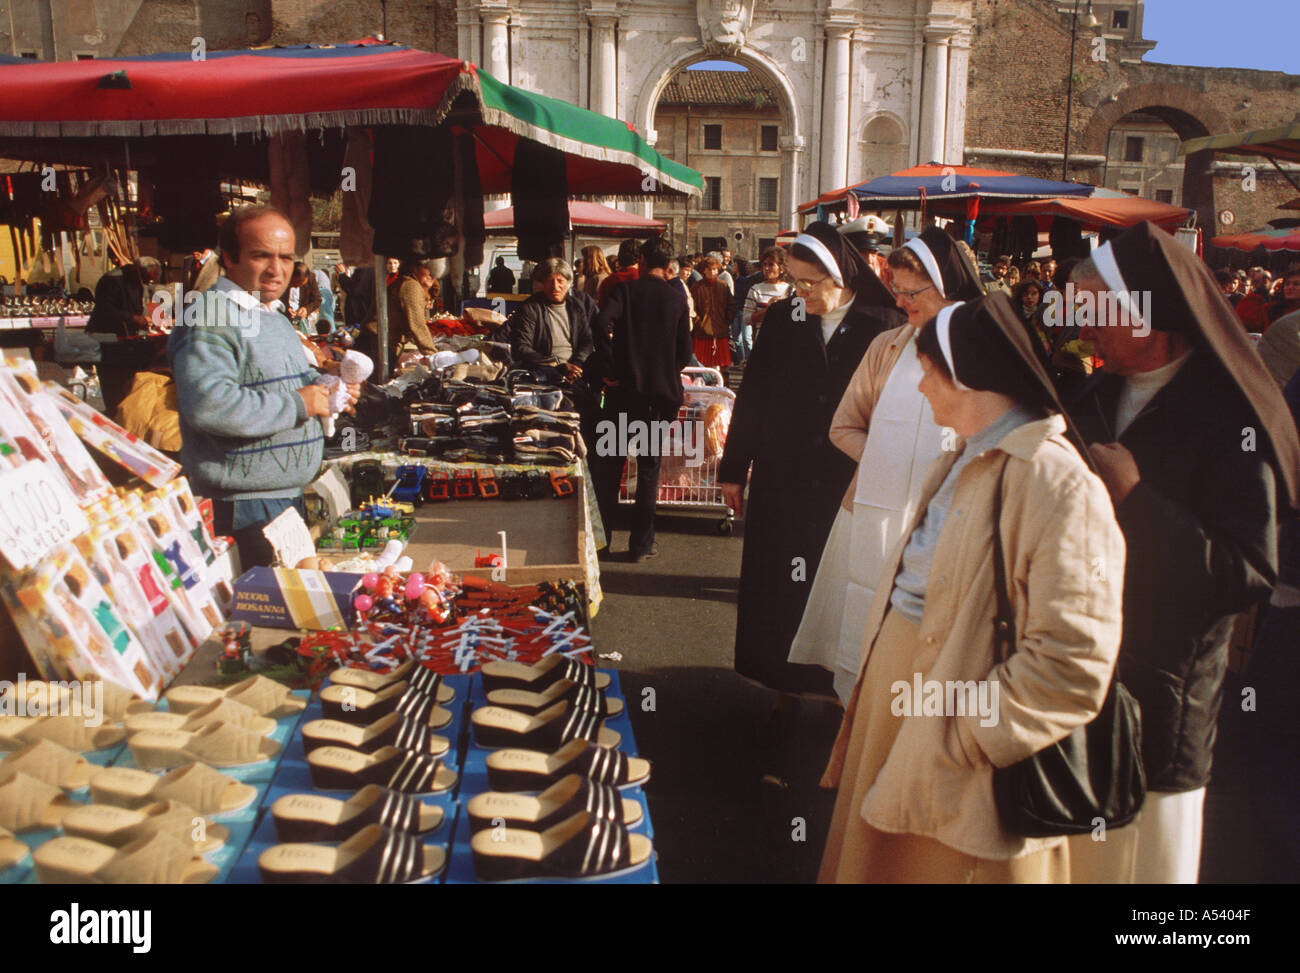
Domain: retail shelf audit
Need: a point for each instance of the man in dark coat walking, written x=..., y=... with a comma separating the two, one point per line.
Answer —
x=1195, y=445
x=778, y=440
x=641, y=365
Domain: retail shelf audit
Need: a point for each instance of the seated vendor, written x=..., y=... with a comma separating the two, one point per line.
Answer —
x=554, y=325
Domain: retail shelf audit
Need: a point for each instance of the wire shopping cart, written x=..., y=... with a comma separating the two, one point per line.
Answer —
x=692, y=449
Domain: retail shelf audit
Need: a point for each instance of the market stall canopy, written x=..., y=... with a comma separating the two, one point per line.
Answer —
x=49, y=108
x=1093, y=213
x=1282, y=143
x=590, y=219
x=1287, y=238
x=906, y=188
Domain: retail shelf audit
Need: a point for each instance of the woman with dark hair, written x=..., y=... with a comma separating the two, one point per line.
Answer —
x=809, y=346
x=773, y=287
x=884, y=424
x=1028, y=299
x=915, y=785
x=1288, y=299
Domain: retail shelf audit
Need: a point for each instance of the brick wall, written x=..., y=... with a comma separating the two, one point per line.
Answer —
x=426, y=24
x=1017, y=98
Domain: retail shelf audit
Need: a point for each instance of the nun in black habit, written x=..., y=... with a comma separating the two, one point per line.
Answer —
x=809, y=348
x=1199, y=453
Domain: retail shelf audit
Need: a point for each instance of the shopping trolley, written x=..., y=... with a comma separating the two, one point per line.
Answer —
x=692, y=449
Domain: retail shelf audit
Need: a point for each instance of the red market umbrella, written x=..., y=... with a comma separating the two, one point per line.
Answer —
x=587, y=218
x=1093, y=213
x=1270, y=239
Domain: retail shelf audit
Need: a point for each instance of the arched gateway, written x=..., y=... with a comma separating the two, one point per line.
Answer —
x=834, y=65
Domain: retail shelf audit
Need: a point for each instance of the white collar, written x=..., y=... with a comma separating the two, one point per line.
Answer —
x=242, y=298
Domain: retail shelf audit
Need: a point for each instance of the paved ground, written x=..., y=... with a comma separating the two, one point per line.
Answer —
x=727, y=810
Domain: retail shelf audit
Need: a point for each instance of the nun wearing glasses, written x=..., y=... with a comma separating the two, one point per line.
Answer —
x=885, y=426
x=807, y=351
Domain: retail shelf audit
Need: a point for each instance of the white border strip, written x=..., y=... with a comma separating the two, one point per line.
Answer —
x=943, y=326
x=919, y=247
x=824, y=255
x=1108, y=267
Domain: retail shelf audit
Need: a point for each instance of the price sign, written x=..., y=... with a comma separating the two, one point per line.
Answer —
x=40, y=513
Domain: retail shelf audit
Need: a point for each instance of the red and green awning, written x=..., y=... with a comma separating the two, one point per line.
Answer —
x=314, y=87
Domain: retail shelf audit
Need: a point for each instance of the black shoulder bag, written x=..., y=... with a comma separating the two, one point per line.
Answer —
x=1094, y=772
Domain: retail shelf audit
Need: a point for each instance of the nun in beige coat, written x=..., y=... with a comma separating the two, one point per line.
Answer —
x=915, y=779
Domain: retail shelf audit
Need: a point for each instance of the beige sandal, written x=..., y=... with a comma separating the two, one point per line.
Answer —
x=266, y=696
x=28, y=804
x=73, y=733
x=46, y=760
x=12, y=851
x=157, y=859
x=220, y=710
x=119, y=827
x=208, y=791
x=217, y=745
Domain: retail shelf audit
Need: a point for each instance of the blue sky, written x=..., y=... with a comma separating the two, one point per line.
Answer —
x=1262, y=34
x=1259, y=34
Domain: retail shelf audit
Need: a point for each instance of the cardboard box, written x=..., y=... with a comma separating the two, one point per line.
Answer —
x=289, y=598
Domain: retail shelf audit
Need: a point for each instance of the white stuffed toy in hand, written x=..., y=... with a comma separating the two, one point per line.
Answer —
x=353, y=370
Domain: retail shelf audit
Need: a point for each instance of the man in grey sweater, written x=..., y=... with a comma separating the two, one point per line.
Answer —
x=248, y=399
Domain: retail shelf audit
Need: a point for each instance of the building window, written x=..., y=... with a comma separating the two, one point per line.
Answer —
x=767, y=194
x=708, y=243
x=1119, y=19
x=85, y=57
x=712, y=193
x=713, y=136
x=30, y=55
x=768, y=138
x=1133, y=148
x=1131, y=190
x=766, y=243
x=1164, y=195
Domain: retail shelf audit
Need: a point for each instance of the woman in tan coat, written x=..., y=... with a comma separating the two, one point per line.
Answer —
x=931, y=716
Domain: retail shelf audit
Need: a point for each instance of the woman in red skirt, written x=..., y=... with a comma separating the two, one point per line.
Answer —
x=714, y=308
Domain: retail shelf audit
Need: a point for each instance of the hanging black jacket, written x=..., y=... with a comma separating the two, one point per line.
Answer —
x=779, y=438
x=1201, y=532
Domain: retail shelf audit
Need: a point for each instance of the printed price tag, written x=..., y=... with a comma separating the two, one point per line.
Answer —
x=40, y=513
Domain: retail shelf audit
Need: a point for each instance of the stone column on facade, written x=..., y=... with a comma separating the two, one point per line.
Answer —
x=835, y=113
x=496, y=41
x=604, y=64
x=958, y=77
x=792, y=147
x=934, y=107
x=467, y=33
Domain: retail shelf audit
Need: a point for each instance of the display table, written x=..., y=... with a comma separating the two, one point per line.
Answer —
x=51, y=322
x=547, y=539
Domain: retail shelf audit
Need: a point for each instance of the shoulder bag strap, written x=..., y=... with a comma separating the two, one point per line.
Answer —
x=1004, y=622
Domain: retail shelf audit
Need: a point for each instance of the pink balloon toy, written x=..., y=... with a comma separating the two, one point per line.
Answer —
x=369, y=581
x=414, y=587
x=363, y=603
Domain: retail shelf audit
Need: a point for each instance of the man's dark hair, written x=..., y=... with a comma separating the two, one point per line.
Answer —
x=1003, y=259
x=656, y=252
x=1224, y=277
x=627, y=252
x=501, y=261
x=228, y=235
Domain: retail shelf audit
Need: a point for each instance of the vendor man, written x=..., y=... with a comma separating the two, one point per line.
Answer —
x=248, y=400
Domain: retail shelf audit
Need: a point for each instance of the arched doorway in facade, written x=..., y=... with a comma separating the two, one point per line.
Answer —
x=734, y=120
